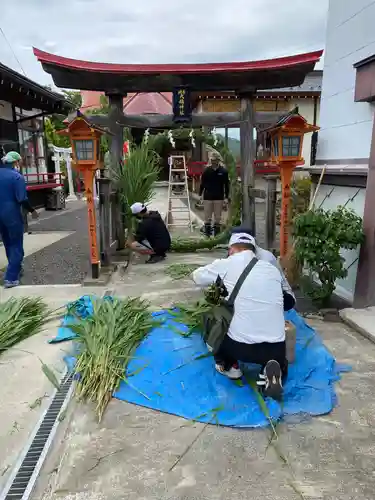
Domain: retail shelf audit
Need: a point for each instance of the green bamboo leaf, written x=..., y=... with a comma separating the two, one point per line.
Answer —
x=138, y=370
x=50, y=375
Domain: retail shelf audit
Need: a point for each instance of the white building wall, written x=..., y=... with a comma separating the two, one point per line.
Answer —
x=346, y=126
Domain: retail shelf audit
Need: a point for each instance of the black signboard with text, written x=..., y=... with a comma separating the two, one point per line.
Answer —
x=181, y=105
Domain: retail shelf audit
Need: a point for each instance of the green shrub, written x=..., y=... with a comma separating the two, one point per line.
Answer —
x=319, y=235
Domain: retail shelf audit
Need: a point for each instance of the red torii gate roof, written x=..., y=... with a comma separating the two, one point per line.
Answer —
x=123, y=78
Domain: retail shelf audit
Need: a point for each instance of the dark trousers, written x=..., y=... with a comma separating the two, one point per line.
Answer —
x=231, y=351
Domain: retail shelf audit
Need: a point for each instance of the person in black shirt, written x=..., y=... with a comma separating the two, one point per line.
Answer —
x=152, y=236
x=215, y=191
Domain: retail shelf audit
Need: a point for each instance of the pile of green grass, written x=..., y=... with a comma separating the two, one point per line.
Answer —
x=21, y=318
x=108, y=339
x=190, y=245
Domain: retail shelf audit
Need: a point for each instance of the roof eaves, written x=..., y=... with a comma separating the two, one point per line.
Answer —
x=36, y=87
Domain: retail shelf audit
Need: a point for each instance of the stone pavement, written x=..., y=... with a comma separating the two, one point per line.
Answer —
x=136, y=453
x=362, y=320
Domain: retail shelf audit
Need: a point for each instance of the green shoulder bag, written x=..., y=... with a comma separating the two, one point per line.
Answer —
x=216, y=322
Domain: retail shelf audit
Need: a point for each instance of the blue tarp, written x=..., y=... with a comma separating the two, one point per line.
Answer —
x=173, y=374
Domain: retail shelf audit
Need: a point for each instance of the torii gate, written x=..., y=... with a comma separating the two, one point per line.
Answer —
x=117, y=80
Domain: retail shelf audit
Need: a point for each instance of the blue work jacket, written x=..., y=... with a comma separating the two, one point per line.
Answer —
x=12, y=194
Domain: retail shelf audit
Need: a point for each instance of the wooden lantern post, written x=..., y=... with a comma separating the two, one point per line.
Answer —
x=87, y=159
x=286, y=152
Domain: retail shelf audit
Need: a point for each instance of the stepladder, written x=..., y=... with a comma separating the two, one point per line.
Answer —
x=179, y=214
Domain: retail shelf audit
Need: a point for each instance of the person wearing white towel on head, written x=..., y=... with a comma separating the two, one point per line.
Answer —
x=257, y=330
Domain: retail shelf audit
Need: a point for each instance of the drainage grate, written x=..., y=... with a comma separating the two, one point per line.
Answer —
x=21, y=483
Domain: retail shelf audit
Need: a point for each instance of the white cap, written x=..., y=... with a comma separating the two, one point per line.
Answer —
x=244, y=238
x=137, y=208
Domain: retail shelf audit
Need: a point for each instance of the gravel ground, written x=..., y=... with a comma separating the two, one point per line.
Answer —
x=66, y=261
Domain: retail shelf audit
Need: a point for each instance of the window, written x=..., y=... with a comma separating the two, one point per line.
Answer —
x=84, y=149
x=291, y=145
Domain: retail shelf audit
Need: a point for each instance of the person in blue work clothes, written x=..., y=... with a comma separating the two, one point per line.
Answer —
x=13, y=197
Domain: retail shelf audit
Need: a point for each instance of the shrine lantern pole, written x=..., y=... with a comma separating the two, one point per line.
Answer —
x=87, y=159
x=286, y=152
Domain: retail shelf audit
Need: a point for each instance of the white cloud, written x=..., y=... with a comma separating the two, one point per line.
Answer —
x=159, y=31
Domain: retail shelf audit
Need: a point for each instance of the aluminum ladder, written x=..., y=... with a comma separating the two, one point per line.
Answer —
x=179, y=214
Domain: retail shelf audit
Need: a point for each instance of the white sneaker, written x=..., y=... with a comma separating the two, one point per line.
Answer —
x=234, y=373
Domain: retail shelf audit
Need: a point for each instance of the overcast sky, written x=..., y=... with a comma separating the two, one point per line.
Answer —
x=159, y=31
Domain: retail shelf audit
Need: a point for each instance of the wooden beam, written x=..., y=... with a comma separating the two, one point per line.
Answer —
x=198, y=120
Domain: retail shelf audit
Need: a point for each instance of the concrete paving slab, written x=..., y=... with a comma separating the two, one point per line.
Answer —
x=54, y=295
x=362, y=320
x=25, y=392
x=160, y=200
x=137, y=453
x=34, y=243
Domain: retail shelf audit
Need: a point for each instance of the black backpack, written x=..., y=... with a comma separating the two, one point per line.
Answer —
x=216, y=322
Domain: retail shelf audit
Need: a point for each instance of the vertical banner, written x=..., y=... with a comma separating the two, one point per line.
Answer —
x=182, y=109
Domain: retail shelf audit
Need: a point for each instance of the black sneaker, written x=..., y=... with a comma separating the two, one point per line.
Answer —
x=154, y=259
x=270, y=381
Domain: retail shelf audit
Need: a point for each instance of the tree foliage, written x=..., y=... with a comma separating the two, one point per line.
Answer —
x=55, y=122
x=104, y=107
x=74, y=97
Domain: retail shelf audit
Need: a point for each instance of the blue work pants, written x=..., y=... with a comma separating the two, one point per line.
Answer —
x=11, y=232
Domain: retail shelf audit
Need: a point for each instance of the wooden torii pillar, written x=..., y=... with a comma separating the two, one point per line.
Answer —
x=116, y=102
x=247, y=161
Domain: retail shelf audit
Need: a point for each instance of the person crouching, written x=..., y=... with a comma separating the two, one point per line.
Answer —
x=152, y=236
x=256, y=332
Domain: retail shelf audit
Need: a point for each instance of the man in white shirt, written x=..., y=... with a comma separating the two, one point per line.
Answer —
x=257, y=331
x=266, y=255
